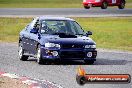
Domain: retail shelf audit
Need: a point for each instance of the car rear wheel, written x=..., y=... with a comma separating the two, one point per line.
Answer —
x=39, y=56
x=104, y=5
x=88, y=61
x=21, y=53
x=86, y=7
x=122, y=5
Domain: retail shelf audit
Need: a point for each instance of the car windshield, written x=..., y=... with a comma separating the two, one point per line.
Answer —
x=61, y=26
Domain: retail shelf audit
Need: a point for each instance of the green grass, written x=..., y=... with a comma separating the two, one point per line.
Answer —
x=129, y=3
x=10, y=28
x=112, y=33
x=46, y=4
x=41, y=3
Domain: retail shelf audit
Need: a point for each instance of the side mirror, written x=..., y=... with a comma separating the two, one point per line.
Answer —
x=35, y=31
x=89, y=33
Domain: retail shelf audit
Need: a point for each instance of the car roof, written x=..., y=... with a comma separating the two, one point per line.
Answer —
x=54, y=18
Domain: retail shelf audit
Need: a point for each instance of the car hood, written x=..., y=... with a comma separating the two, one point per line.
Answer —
x=56, y=39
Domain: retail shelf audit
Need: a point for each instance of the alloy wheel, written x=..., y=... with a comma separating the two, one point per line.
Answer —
x=38, y=55
x=20, y=51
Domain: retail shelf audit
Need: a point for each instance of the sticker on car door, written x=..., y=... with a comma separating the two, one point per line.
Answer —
x=113, y=1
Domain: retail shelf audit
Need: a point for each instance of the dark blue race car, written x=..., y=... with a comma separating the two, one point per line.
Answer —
x=56, y=39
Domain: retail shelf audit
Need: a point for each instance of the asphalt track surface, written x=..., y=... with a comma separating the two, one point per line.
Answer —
x=108, y=62
x=67, y=12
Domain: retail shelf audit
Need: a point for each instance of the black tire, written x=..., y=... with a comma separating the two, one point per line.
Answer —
x=104, y=5
x=122, y=5
x=39, y=56
x=86, y=7
x=89, y=62
x=81, y=80
x=22, y=57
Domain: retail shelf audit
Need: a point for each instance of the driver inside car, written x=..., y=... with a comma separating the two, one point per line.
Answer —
x=45, y=29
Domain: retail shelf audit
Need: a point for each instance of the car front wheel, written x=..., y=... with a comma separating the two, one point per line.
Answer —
x=21, y=53
x=86, y=7
x=39, y=56
x=122, y=5
x=104, y=5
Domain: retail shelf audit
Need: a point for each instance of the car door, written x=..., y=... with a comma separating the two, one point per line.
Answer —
x=25, y=38
x=33, y=41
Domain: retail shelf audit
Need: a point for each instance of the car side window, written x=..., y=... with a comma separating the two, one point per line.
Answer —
x=32, y=25
x=36, y=26
x=27, y=27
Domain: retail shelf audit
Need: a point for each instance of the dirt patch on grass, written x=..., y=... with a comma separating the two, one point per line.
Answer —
x=6, y=82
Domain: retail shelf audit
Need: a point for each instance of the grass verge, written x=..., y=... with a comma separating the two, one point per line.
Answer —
x=40, y=3
x=46, y=4
x=112, y=32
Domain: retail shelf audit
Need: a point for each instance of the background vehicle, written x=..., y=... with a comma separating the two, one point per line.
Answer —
x=104, y=3
x=56, y=39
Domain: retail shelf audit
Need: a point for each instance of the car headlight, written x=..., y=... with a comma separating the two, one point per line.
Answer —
x=90, y=46
x=97, y=0
x=52, y=45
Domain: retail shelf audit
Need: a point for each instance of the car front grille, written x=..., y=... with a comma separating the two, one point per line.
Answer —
x=68, y=46
x=72, y=54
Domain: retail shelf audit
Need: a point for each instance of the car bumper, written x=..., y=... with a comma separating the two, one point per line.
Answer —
x=92, y=4
x=69, y=54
